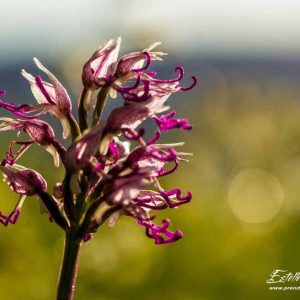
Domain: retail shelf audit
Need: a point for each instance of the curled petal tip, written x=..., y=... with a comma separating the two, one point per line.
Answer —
x=195, y=81
x=180, y=70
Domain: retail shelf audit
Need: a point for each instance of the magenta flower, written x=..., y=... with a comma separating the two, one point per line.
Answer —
x=111, y=170
x=101, y=66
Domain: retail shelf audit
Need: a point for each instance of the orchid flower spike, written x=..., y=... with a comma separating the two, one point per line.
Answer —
x=111, y=170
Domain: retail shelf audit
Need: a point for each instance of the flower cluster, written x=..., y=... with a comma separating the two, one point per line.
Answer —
x=110, y=168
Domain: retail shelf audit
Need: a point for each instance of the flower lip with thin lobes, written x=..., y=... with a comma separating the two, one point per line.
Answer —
x=23, y=181
x=101, y=65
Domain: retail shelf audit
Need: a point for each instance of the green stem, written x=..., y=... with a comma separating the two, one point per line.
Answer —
x=75, y=130
x=68, y=199
x=69, y=268
x=83, y=107
x=101, y=101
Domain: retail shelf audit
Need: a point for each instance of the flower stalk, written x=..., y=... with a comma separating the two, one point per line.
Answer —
x=69, y=266
x=110, y=169
x=100, y=104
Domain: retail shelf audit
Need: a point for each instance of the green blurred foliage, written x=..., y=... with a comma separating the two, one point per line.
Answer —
x=238, y=126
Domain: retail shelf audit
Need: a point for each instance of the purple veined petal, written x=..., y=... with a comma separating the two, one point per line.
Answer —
x=52, y=98
x=23, y=181
x=2, y=93
x=147, y=57
x=36, y=91
x=129, y=116
x=133, y=62
x=62, y=98
x=101, y=64
x=40, y=85
x=79, y=154
x=138, y=61
x=39, y=131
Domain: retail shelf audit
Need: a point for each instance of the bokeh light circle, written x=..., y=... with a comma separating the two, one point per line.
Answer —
x=255, y=196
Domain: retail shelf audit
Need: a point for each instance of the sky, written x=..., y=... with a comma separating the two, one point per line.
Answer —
x=218, y=27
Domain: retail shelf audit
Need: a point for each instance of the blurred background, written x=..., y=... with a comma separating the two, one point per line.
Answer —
x=244, y=220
